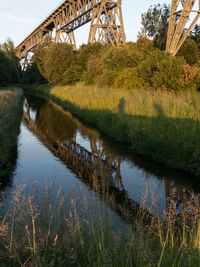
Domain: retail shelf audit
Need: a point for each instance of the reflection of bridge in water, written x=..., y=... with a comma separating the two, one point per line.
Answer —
x=98, y=169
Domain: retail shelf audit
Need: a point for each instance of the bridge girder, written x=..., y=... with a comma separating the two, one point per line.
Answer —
x=105, y=17
x=179, y=19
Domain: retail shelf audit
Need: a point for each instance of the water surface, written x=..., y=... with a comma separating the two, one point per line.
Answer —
x=53, y=145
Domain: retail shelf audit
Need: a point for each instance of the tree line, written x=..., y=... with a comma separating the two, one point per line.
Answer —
x=137, y=64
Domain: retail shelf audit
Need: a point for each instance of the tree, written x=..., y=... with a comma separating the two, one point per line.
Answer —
x=9, y=64
x=86, y=51
x=155, y=24
x=32, y=75
x=4, y=66
x=53, y=60
x=190, y=51
x=195, y=35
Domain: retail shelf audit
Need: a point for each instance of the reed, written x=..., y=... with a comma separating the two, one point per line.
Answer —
x=64, y=232
x=162, y=125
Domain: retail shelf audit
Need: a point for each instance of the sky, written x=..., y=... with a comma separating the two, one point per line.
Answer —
x=20, y=17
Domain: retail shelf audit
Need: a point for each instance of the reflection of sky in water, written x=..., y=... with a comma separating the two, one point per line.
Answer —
x=33, y=115
x=137, y=185
x=83, y=141
x=37, y=163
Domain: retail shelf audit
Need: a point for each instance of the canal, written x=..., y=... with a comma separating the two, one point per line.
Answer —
x=56, y=148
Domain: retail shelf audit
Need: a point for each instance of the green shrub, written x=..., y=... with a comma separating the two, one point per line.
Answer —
x=168, y=73
x=107, y=78
x=173, y=74
x=54, y=60
x=32, y=75
x=191, y=77
x=103, y=67
x=119, y=58
x=39, y=58
x=190, y=51
x=9, y=64
x=94, y=69
x=140, y=49
x=72, y=74
x=128, y=79
x=163, y=71
x=86, y=51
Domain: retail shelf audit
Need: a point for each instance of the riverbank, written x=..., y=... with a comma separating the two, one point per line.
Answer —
x=160, y=124
x=10, y=115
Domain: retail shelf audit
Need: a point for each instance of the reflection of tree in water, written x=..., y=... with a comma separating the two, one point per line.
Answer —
x=55, y=123
x=35, y=103
x=7, y=172
x=52, y=121
x=7, y=167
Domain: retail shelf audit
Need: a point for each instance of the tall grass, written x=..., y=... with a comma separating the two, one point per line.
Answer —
x=163, y=125
x=10, y=115
x=62, y=231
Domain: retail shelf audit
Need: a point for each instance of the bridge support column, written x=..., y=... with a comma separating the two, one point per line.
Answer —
x=179, y=17
x=62, y=36
x=107, y=23
x=26, y=59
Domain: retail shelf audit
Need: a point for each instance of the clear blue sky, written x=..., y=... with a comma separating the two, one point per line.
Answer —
x=20, y=17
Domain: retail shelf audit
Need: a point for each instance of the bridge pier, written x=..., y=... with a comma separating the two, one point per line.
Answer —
x=179, y=18
x=63, y=37
x=107, y=23
x=26, y=59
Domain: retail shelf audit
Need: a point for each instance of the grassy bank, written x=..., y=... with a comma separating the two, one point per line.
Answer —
x=10, y=115
x=163, y=125
x=39, y=230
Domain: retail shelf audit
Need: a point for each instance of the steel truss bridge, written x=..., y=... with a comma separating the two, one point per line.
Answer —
x=106, y=25
x=105, y=17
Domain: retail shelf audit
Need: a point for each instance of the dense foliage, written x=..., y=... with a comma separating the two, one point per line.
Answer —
x=9, y=64
x=132, y=66
x=31, y=74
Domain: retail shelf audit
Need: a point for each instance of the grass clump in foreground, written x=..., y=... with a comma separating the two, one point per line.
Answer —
x=163, y=125
x=10, y=115
x=64, y=232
